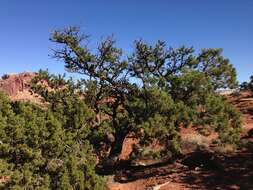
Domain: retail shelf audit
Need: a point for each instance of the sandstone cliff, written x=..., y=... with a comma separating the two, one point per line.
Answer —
x=17, y=86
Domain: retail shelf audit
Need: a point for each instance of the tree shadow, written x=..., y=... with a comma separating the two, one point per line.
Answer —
x=199, y=170
x=133, y=173
x=236, y=172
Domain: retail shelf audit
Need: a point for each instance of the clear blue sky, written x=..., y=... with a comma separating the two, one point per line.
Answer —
x=25, y=27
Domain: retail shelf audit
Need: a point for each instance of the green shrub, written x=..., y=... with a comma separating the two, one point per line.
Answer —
x=39, y=150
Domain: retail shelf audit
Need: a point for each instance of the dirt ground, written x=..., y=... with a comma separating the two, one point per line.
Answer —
x=233, y=171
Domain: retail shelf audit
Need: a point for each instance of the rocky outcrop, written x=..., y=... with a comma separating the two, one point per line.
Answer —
x=17, y=85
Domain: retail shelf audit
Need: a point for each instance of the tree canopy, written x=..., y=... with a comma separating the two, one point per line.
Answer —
x=150, y=94
x=155, y=90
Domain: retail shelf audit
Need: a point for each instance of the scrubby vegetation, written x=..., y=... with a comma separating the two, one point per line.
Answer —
x=247, y=85
x=41, y=149
x=151, y=94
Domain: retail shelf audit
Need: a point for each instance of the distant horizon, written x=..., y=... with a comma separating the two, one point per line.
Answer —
x=25, y=32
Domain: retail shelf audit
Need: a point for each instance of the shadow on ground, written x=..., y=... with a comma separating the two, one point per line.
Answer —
x=234, y=172
x=199, y=170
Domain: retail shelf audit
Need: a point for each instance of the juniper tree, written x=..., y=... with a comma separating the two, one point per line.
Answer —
x=151, y=93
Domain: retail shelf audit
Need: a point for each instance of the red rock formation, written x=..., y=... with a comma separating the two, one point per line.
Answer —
x=14, y=84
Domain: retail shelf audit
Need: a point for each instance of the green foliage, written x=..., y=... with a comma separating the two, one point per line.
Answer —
x=217, y=68
x=222, y=117
x=152, y=93
x=154, y=116
x=40, y=149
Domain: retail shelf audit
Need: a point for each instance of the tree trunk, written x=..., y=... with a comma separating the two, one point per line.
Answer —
x=121, y=132
x=113, y=161
x=117, y=145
